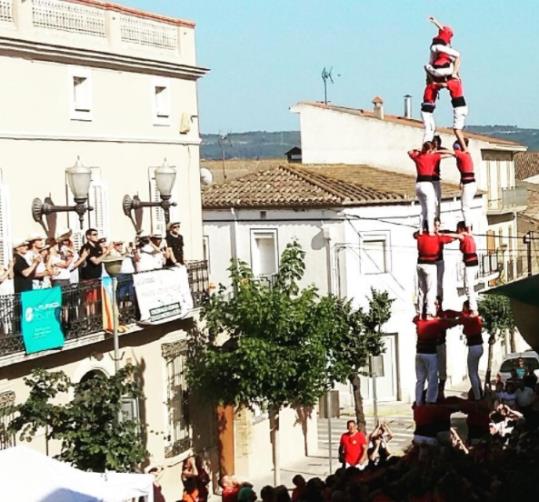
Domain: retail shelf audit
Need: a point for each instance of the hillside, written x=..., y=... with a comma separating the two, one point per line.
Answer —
x=264, y=145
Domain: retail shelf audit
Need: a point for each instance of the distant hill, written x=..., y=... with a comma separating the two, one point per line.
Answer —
x=266, y=145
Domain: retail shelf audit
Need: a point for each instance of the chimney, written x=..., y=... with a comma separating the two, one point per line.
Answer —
x=407, y=106
x=378, y=110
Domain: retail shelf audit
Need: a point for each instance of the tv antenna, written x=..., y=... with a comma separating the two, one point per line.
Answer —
x=224, y=140
x=327, y=75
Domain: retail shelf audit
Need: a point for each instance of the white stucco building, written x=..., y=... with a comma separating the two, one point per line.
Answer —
x=337, y=134
x=355, y=224
x=116, y=87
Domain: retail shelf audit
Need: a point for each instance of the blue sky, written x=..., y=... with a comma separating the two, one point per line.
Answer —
x=265, y=55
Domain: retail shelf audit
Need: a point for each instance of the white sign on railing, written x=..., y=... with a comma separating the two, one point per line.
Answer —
x=163, y=295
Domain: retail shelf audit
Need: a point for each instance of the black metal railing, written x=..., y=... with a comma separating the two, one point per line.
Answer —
x=82, y=307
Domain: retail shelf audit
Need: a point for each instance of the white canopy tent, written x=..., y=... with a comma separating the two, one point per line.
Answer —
x=29, y=476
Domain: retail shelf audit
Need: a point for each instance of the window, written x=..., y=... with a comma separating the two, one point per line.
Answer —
x=80, y=85
x=5, y=221
x=7, y=401
x=177, y=398
x=374, y=256
x=161, y=101
x=264, y=260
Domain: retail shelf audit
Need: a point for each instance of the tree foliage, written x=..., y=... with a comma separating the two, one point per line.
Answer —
x=92, y=431
x=497, y=315
x=275, y=344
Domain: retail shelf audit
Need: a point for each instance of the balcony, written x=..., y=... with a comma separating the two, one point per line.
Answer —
x=79, y=320
x=489, y=270
x=66, y=26
x=508, y=200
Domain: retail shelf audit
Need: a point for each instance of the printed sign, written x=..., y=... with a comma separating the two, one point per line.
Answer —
x=163, y=295
x=40, y=319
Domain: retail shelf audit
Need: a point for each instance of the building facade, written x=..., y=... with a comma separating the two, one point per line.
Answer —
x=336, y=134
x=355, y=224
x=117, y=88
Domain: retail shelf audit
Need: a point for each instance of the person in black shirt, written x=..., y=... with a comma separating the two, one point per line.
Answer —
x=175, y=243
x=91, y=259
x=23, y=273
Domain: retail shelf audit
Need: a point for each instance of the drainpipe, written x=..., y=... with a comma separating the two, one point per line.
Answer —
x=234, y=235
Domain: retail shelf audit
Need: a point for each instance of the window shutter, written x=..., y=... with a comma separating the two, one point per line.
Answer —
x=100, y=202
x=157, y=224
x=5, y=227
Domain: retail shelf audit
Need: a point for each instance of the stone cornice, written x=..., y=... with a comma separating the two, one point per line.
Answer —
x=85, y=57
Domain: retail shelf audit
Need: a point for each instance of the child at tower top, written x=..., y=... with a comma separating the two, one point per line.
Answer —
x=444, y=61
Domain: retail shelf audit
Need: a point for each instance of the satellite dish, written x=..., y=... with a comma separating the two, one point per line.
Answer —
x=206, y=177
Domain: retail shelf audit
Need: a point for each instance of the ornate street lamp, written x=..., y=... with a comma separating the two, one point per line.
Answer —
x=78, y=179
x=165, y=176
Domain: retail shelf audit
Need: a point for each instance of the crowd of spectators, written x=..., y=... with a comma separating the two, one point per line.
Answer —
x=39, y=262
x=496, y=461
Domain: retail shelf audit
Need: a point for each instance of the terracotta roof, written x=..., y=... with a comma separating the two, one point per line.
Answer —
x=314, y=186
x=135, y=12
x=526, y=165
x=405, y=121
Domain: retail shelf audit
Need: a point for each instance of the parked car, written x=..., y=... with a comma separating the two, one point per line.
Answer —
x=510, y=362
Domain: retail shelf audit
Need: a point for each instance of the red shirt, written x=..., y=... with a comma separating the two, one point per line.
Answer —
x=472, y=327
x=431, y=418
x=353, y=446
x=469, y=251
x=425, y=164
x=430, y=247
x=230, y=494
x=465, y=166
x=429, y=332
x=445, y=34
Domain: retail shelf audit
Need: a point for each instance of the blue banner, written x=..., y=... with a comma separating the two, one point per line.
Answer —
x=40, y=319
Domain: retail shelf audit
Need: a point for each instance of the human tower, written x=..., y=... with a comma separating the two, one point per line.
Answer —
x=432, y=320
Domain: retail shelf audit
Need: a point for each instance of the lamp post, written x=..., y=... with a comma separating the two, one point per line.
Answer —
x=113, y=266
x=78, y=179
x=165, y=176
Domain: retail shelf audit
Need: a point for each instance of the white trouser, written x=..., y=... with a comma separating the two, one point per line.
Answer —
x=426, y=368
x=426, y=196
x=440, y=72
x=474, y=354
x=470, y=273
x=429, y=126
x=459, y=117
x=441, y=351
x=440, y=269
x=426, y=281
x=438, y=197
x=466, y=199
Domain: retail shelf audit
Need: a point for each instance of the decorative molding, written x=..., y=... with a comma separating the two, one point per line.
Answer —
x=174, y=349
x=7, y=399
x=85, y=57
x=19, y=136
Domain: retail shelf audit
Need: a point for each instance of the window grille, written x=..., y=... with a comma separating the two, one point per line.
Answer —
x=7, y=401
x=6, y=11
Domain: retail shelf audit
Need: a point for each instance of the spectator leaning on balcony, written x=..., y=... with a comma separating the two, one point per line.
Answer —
x=37, y=248
x=90, y=261
x=150, y=256
x=23, y=273
x=62, y=258
x=175, y=243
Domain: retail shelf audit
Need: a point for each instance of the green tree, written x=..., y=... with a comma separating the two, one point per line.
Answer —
x=92, y=431
x=274, y=352
x=497, y=319
x=353, y=337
